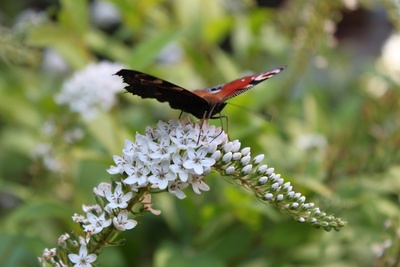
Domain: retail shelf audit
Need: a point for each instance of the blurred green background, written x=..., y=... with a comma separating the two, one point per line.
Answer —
x=330, y=124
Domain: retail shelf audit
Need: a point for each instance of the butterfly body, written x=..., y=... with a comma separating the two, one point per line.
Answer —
x=200, y=103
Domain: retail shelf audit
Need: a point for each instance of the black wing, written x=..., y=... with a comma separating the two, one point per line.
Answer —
x=147, y=86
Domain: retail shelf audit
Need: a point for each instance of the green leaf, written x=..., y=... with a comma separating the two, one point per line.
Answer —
x=66, y=42
x=145, y=52
x=74, y=16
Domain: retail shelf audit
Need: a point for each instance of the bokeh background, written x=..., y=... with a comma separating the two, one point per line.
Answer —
x=330, y=124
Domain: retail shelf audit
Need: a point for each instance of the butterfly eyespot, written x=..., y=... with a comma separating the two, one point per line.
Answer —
x=214, y=90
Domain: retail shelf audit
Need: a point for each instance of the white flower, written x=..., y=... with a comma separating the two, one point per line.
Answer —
x=90, y=208
x=96, y=223
x=46, y=153
x=101, y=189
x=122, y=223
x=169, y=127
x=185, y=139
x=198, y=184
x=391, y=53
x=83, y=259
x=53, y=62
x=118, y=199
x=197, y=160
x=161, y=150
x=28, y=19
x=151, y=133
x=211, y=134
x=351, y=4
x=104, y=14
x=137, y=174
x=161, y=174
x=178, y=167
x=120, y=168
x=62, y=239
x=48, y=254
x=311, y=141
x=171, y=53
x=73, y=135
x=131, y=149
x=91, y=89
x=176, y=187
x=77, y=218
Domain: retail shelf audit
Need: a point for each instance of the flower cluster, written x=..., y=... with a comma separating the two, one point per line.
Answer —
x=170, y=158
x=91, y=89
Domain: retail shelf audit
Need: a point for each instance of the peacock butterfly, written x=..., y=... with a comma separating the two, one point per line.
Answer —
x=203, y=104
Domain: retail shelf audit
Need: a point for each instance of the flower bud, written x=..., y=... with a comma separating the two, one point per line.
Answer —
x=230, y=170
x=236, y=156
x=216, y=155
x=245, y=160
x=227, y=157
x=268, y=196
x=245, y=151
x=236, y=146
x=246, y=169
x=258, y=159
x=263, y=180
x=262, y=169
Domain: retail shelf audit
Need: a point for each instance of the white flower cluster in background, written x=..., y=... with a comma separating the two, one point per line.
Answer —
x=53, y=62
x=171, y=156
x=29, y=18
x=390, y=59
x=104, y=13
x=92, y=89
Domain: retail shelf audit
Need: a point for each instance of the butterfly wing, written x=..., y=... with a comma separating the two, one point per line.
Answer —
x=221, y=93
x=147, y=86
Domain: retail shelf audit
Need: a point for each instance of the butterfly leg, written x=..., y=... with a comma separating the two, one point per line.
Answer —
x=220, y=117
x=180, y=115
x=201, y=123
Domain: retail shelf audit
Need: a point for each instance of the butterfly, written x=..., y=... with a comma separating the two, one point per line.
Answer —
x=203, y=104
